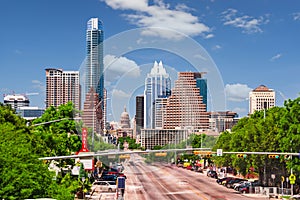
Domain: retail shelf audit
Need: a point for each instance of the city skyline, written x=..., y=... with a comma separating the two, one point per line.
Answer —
x=251, y=43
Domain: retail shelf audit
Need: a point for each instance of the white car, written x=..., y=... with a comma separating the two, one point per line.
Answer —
x=107, y=186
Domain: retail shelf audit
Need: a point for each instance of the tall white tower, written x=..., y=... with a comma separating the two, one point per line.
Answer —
x=157, y=85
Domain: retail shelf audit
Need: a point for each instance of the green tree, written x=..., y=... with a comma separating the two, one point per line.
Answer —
x=22, y=175
x=275, y=130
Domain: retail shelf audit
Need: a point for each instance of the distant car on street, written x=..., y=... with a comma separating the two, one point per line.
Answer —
x=212, y=173
x=107, y=186
x=108, y=177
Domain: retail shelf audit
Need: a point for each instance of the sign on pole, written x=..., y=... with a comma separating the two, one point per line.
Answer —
x=121, y=182
x=219, y=152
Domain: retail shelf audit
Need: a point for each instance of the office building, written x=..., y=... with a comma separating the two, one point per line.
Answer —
x=161, y=137
x=222, y=120
x=94, y=59
x=30, y=113
x=157, y=84
x=139, y=114
x=62, y=87
x=92, y=112
x=261, y=98
x=201, y=83
x=94, y=67
x=160, y=112
x=16, y=100
x=185, y=107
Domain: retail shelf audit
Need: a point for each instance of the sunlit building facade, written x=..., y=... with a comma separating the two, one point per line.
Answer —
x=16, y=100
x=157, y=85
x=185, y=107
x=261, y=98
x=62, y=87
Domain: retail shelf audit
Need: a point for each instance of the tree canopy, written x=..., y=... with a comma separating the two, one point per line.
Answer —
x=276, y=130
x=23, y=175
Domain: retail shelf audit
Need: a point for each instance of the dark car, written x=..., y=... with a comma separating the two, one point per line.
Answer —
x=230, y=183
x=108, y=177
x=225, y=180
x=220, y=180
x=212, y=174
x=248, y=187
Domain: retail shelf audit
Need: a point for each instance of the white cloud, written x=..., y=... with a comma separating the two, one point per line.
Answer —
x=160, y=15
x=277, y=56
x=216, y=47
x=209, y=36
x=296, y=16
x=237, y=92
x=125, y=4
x=247, y=23
x=116, y=67
x=120, y=94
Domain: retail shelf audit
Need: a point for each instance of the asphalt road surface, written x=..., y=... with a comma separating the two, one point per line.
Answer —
x=164, y=181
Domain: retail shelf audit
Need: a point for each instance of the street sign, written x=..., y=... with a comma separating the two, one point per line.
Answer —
x=219, y=152
x=292, y=178
x=292, y=182
x=121, y=182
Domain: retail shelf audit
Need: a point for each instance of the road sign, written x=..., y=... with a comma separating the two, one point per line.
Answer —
x=121, y=182
x=292, y=178
x=219, y=152
x=292, y=182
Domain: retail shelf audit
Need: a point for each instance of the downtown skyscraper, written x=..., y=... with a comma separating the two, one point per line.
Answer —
x=62, y=87
x=157, y=85
x=94, y=59
x=93, y=111
x=185, y=107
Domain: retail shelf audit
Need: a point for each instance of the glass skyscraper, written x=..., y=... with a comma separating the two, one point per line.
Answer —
x=93, y=109
x=201, y=83
x=94, y=60
x=157, y=85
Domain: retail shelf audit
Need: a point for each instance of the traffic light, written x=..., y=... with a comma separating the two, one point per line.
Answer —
x=208, y=155
x=241, y=155
x=274, y=156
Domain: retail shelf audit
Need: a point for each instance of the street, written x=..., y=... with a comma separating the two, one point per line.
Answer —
x=166, y=181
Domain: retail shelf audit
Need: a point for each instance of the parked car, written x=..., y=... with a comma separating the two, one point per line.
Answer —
x=230, y=183
x=220, y=180
x=108, y=186
x=245, y=188
x=212, y=174
x=223, y=181
x=236, y=186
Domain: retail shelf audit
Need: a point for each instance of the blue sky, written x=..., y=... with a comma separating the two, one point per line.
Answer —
x=247, y=43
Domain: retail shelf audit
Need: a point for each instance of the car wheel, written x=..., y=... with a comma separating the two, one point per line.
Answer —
x=109, y=189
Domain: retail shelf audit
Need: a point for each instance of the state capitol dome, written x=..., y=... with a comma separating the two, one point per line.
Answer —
x=125, y=121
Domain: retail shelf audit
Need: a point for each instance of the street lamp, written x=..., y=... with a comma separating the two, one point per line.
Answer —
x=57, y=120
